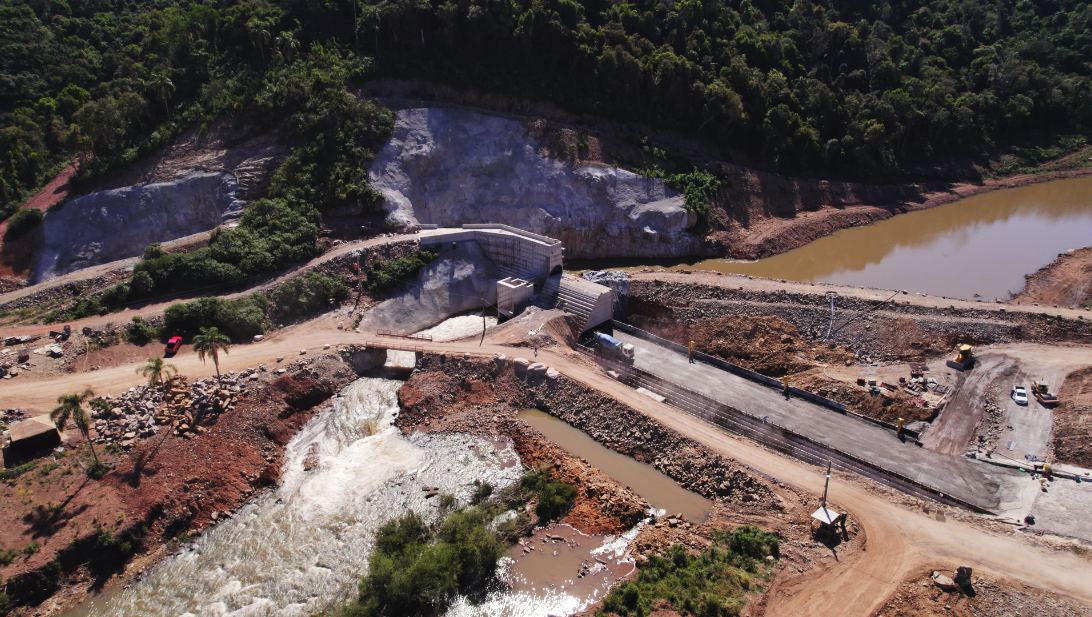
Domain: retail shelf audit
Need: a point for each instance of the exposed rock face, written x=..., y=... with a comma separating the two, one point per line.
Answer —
x=449, y=167
x=116, y=224
x=454, y=283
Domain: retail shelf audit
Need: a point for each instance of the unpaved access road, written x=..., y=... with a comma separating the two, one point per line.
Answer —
x=900, y=542
x=158, y=306
x=752, y=283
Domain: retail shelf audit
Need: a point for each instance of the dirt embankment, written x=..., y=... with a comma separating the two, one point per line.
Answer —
x=1073, y=420
x=875, y=330
x=1065, y=282
x=987, y=595
x=157, y=493
x=475, y=396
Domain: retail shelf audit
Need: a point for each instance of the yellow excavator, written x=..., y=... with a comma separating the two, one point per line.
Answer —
x=964, y=359
x=1041, y=391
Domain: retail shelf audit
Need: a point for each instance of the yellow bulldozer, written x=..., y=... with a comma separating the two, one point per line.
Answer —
x=964, y=359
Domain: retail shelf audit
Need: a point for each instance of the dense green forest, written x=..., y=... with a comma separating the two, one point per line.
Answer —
x=842, y=86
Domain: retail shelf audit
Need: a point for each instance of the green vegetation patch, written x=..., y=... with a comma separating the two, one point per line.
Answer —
x=386, y=275
x=243, y=318
x=22, y=222
x=707, y=585
x=415, y=570
x=307, y=294
x=239, y=319
x=555, y=498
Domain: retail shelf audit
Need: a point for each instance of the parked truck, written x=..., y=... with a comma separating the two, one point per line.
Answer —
x=613, y=347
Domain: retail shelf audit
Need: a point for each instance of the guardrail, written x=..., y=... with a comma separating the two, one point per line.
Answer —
x=768, y=433
x=735, y=369
x=395, y=346
x=406, y=335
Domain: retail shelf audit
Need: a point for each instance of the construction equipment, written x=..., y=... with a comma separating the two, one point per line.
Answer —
x=614, y=347
x=1041, y=391
x=964, y=359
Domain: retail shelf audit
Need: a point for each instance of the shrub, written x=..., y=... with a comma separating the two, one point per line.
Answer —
x=555, y=498
x=140, y=332
x=239, y=319
x=415, y=572
x=708, y=585
x=23, y=222
x=383, y=276
x=306, y=294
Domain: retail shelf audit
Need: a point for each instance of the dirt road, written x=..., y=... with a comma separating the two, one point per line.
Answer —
x=158, y=307
x=900, y=541
x=748, y=283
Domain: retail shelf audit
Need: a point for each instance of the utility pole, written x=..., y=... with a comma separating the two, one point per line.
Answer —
x=483, y=321
x=826, y=486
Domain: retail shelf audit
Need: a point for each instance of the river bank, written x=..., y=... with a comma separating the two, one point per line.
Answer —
x=89, y=534
x=1064, y=282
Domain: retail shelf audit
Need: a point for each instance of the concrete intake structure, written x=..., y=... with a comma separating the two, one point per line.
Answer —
x=517, y=253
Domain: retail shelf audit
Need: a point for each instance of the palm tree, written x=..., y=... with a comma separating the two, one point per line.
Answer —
x=71, y=406
x=259, y=35
x=157, y=371
x=287, y=46
x=209, y=342
x=162, y=86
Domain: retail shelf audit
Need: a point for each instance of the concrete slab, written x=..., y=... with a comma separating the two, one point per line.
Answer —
x=1064, y=509
x=954, y=475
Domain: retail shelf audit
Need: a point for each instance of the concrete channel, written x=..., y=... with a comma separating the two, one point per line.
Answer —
x=809, y=431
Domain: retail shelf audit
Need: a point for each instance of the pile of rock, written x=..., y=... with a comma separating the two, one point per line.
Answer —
x=135, y=414
x=129, y=417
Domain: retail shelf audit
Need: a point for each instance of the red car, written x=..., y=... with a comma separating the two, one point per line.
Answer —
x=173, y=345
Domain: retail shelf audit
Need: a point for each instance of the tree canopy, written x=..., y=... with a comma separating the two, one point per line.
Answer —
x=833, y=86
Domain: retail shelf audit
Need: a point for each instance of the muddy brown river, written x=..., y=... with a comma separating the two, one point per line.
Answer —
x=981, y=245
x=661, y=491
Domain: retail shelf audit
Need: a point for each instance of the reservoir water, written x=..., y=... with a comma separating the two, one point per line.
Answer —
x=980, y=245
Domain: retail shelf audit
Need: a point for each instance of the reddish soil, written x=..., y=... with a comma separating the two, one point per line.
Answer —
x=438, y=402
x=166, y=486
x=15, y=260
x=988, y=595
x=1073, y=420
x=886, y=406
x=767, y=344
x=1065, y=282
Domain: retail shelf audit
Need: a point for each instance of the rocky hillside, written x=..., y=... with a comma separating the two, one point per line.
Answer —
x=450, y=166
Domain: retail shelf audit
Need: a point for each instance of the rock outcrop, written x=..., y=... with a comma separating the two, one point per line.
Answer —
x=116, y=224
x=449, y=166
x=455, y=282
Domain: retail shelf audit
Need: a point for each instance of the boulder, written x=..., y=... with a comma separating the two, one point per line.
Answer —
x=963, y=575
x=500, y=359
x=520, y=364
x=537, y=368
x=258, y=338
x=944, y=582
x=552, y=374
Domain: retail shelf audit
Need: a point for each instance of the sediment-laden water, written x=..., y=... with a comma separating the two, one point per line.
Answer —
x=303, y=546
x=981, y=245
